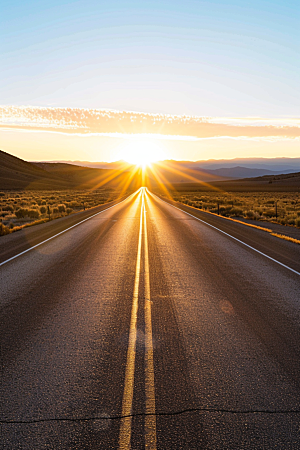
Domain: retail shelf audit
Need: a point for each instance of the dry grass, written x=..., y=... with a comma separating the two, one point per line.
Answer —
x=20, y=209
x=256, y=206
x=280, y=236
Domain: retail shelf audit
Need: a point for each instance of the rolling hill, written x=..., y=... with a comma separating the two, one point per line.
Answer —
x=16, y=173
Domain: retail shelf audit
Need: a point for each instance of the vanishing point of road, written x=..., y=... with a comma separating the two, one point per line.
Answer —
x=144, y=326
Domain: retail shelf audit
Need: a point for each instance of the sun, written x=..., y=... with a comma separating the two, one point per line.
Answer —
x=142, y=152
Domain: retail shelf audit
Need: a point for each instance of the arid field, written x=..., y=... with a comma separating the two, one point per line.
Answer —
x=24, y=208
x=280, y=207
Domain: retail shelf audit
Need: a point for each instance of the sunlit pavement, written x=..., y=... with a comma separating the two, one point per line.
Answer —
x=143, y=327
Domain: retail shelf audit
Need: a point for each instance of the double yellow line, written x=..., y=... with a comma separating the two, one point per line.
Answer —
x=150, y=420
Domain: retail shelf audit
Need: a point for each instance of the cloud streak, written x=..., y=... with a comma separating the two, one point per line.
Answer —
x=92, y=122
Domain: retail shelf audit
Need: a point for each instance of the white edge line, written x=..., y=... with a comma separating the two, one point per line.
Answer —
x=67, y=229
x=229, y=235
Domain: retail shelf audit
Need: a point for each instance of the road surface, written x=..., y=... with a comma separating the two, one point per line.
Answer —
x=145, y=327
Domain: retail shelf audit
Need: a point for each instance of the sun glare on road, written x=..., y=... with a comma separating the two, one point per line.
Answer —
x=142, y=153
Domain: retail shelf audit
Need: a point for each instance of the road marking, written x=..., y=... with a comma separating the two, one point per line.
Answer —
x=150, y=419
x=229, y=235
x=125, y=426
x=64, y=231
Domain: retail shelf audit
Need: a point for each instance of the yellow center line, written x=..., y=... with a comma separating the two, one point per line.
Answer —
x=150, y=419
x=125, y=427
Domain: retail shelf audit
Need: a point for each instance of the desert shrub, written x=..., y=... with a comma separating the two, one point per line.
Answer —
x=9, y=208
x=55, y=211
x=10, y=217
x=20, y=213
x=31, y=213
x=228, y=209
x=43, y=209
x=236, y=211
x=225, y=210
x=61, y=208
x=69, y=210
x=250, y=214
x=4, y=229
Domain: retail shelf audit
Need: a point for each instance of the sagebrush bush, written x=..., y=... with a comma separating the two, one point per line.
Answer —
x=236, y=211
x=25, y=208
x=4, y=229
x=251, y=205
x=31, y=213
x=62, y=208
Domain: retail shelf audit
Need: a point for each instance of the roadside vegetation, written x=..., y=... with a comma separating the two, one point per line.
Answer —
x=20, y=209
x=279, y=207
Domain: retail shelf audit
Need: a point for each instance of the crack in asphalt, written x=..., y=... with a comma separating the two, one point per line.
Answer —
x=157, y=414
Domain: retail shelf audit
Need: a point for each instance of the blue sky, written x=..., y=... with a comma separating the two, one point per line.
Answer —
x=237, y=58
x=218, y=59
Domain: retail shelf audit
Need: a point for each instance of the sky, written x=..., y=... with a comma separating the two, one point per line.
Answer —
x=222, y=62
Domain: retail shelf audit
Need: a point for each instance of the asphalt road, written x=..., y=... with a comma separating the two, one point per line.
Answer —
x=144, y=327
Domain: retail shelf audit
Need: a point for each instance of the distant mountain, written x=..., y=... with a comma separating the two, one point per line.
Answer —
x=274, y=165
x=16, y=173
x=161, y=172
x=172, y=172
x=281, y=179
x=242, y=172
x=280, y=165
x=268, y=183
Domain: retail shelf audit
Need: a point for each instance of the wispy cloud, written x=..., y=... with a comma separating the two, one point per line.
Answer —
x=85, y=122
